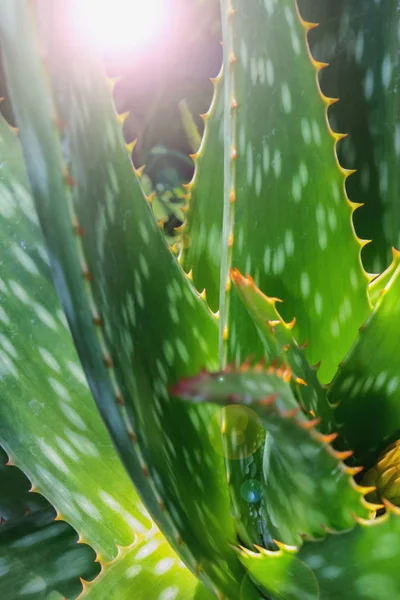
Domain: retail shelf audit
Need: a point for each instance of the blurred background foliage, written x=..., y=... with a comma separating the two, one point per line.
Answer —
x=152, y=84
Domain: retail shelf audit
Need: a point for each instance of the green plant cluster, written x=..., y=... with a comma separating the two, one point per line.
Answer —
x=219, y=420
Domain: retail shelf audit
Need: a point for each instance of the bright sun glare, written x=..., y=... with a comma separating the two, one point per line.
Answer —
x=117, y=25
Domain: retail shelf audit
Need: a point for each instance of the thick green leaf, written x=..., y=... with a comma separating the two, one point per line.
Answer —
x=202, y=232
x=360, y=41
x=289, y=220
x=147, y=569
x=280, y=344
x=367, y=384
x=49, y=423
x=38, y=555
x=306, y=485
x=359, y=565
x=137, y=322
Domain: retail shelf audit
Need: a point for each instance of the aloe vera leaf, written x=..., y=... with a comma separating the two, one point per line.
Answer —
x=280, y=344
x=360, y=41
x=362, y=563
x=366, y=387
x=287, y=201
x=306, y=485
x=147, y=567
x=49, y=424
x=38, y=554
x=129, y=266
x=280, y=574
x=359, y=564
x=202, y=232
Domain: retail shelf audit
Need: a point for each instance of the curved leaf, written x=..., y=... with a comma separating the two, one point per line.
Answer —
x=280, y=344
x=362, y=563
x=306, y=486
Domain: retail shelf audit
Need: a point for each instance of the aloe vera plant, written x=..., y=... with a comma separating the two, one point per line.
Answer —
x=245, y=380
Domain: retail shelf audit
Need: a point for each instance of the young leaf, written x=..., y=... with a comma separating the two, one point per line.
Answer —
x=288, y=206
x=306, y=486
x=280, y=344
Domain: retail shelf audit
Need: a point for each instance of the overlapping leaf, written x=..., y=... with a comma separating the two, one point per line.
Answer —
x=290, y=221
x=280, y=344
x=306, y=486
x=152, y=326
x=367, y=386
x=360, y=564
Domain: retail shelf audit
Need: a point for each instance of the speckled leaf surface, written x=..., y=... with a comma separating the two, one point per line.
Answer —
x=280, y=344
x=49, y=423
x=289, y=220
x=38, y=555
x=367, y=384
x=202, y=233
x=148, y=567
x=360, y=41
x=306, y=486
x=161, y=329
x=359, y=565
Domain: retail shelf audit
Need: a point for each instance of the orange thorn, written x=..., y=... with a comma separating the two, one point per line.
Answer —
x=108, y=361
x=98, y=321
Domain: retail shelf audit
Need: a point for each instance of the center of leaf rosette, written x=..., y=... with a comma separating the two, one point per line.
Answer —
x=385, y=475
